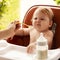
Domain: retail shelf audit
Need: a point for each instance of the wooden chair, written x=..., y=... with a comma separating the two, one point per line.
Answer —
x=24, y=40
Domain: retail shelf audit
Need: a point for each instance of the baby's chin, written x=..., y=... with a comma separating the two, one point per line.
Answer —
x=41, y=30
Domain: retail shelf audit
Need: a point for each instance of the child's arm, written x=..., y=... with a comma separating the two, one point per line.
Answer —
x=23, y=32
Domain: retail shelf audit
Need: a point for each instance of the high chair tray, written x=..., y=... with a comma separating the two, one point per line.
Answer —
x=14, y=52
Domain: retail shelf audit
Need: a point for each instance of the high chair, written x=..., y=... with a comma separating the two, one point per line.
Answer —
x=24, y=40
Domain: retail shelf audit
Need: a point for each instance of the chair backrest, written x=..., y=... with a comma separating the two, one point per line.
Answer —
x=56, y=11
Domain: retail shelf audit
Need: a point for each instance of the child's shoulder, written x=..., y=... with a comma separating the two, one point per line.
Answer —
x=50, y=33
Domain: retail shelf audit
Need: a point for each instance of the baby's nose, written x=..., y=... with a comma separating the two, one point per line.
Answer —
x=38, y=20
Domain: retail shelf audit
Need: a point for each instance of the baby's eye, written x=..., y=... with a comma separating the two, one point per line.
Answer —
x=42, y=19
x=35, y=18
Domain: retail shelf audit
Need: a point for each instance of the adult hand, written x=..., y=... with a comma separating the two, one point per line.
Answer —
x=17, y=25
x=13, y=27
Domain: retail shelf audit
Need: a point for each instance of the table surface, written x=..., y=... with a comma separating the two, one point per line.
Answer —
x=14, y=52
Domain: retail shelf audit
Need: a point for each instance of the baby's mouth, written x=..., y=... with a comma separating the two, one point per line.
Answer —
x=38, y=24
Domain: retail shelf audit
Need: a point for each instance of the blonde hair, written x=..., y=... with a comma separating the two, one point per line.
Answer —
x=46, y=10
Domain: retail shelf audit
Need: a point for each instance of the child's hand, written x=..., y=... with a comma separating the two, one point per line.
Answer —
x=31, y=47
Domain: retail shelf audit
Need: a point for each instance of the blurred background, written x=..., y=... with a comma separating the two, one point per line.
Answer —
x=11, y=10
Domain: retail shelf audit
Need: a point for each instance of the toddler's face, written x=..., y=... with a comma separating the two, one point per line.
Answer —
x=41, y=21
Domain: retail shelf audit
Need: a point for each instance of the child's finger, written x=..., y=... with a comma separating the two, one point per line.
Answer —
x=29, y=49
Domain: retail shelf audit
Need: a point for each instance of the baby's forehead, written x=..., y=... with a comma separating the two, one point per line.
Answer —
x=45, y=10
x=39, y=13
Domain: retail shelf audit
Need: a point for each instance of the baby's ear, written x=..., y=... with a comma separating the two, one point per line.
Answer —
x=50, y=24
